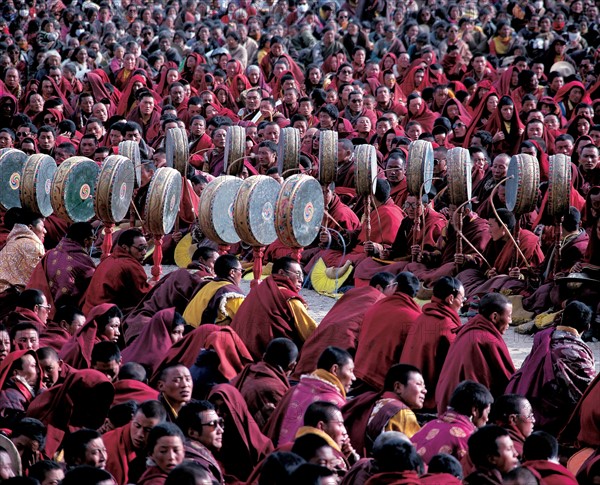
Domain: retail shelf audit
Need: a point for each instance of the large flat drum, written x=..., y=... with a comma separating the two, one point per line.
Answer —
x=419, y=167
x=288, y=151
x=254, y=210
x=365, y=169
x=73, y=189
x=559, y=185
x=299, y=211
x=115, y=189
x=162, y=201
x=11, y=171
x=235, y=149
x=177, y=149
x=36, y=182
x=522, y=188
x=131, y=150
x=216, y=209
x=459, y=175
x=328, y=156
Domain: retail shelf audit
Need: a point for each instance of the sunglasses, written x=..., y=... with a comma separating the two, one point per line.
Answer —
x=50, y=120
x=215, y=422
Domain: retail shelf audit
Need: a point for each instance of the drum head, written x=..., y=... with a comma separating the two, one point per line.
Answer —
x=559, y=185
x=328, y=156
x=162, y=201
x=522, y=188
x=254, y=210
x=235, y=149
x=299, y=211
x=115, y=189
x=11, y=171
x=38, y=172
x=419, y=170
x=73, y=189
x=177, y=150
x=216, y=209
x=459, y=175
x=365, y=173
x=131, y=150
x=288, y=152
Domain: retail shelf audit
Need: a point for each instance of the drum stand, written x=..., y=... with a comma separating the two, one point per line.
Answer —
x=258, y=253
x=107, y=242
x=223, y=249
x=157, y=257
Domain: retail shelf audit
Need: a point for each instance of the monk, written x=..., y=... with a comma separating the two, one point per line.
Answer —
x=131, y=384
x=32, y=307
x=20, y=382
x=126, y=446
x=384, y=330
x=120, y=278
x=479, y=352
x=433, y=332
x=218, y=300
x=540, y=454
x=175, y=385
x=492, y=453
x=273, y=309
x=514, y=413
x=68, y=320
x=341, y=326
x=395, y=171
x=264, y=383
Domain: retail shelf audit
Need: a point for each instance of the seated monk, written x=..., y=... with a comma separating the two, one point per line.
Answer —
x=395, y=170
x=165, y=450
x=315, y=449
x=540, y=454
x=20, y=382
x=120, y=278
x=218, y=301
x=341, y=326
x=479, y=352
x=131, y=384
x=558, y=369
x=126, y=446
x=25, y=336
x=274, y=309
x=384, y=330
x=372, y=413
x=175, y=385
x=264, y=383
x=500, y=254
x=53, y=370
x=433, y=332
x=64, y=273
x=329, y=382
x=514, y=414
x=66, y=323
x=32, y=307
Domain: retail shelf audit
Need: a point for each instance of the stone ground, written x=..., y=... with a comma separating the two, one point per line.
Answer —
x=318, y=306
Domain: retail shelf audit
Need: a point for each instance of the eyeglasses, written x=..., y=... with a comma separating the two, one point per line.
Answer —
x=140, y=248
x=346, y=71
x=529, y=417
x=293, y=273
x=343, y=17
x=410, y=205
x=215, y=422
x=356, y=100
x=22, y=134
x=46, y=307
x=50, y=120
x=238, y=269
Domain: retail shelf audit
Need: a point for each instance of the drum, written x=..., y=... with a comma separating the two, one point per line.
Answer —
x=328, y=156
x=162, y=201
x=115, y=189
x=215, y=210
x=131, y=150
x=11, y=171
x=235, y=149
x=288, y=151
x=299, y=211
x=522, y=188
x=459, y=175
x=254, y=210
x=365, y=169
x=419, y=167
x=559, y=185
x=177, y=149
x=73, y=188
x=38, y=171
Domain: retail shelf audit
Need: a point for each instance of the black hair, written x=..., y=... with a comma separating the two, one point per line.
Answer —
x=153, y=409
x=225, y=263
x=445, y=463
x=399, y=373
x=86, y=474
x=281, y=352
x=75, y=444
x=40, y=469
x=307, y=446
x=446, y=286
x=121, y=414
x=540, y=445
x=188, y=473
x=278, y=467
x=408, y=283
x=309, y=474
x=383, y=279
x=382, y=190
x=19, y=327
x=319, y=411
x=161, y=430
x=492, y=303
x=30, y=298
x=128, y=237
x=483, y=444
x=577, y=315
x=189, y=415
x=397, y=455
x=133, y=371
x=80, y=231
x=468, y=395
x=67, y=313
x=102, y=320
x=32, y=428
x=105, y=352
x=333, y=356
x=284, y=264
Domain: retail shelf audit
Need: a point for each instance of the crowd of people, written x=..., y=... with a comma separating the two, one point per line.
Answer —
x=109, y=378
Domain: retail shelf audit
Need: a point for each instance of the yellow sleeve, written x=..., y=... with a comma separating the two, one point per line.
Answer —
x=404, y=421
x=231, y=307
x=304, y=322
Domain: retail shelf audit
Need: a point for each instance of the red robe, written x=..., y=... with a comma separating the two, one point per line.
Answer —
x=399, y=192
x=120, y=452
x=480, y=354
x=549, y=473
x=427, y=345
x=382, y=335
x=54, y=336
x=132, y=390
x=583, y=427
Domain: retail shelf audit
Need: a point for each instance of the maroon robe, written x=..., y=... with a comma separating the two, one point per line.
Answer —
x=399, y=192
x=132, y=390
x=54, y=336
x=480, y=354
x=120, y=452
x=583, y=427
x=549, y=473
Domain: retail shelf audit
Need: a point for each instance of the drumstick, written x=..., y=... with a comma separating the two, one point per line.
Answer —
x=333, y=220
x=460, y=234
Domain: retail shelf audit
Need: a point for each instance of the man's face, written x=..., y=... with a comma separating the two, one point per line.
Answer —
x=177, y=385
x=12, y=78
x=336, y=429
x=500, y=168
x=6, y=140
x=29, y=372
x=503, y=319
x=51, y=368
x=95, y=454
x=413, y=393
x=147, y=105
x=272, y=133
x=253, y=100
x=589, y=158
x=212, y=430
x=139, y=248
x=198, y=127
x=140, y=429
x=266, y=158
x=115, y=137
x=4, y=345
x=479, y=64
x=441, y=96
x=6, y=470
x=219, y=137
x=87, y=147
x=86, y=103
x=46, y=140
x=507, y=457
x=134, y=135
x=110, y=369
x=177, y=95
x=395, y=171
x=99, y=111
x=26, y=340
x=295, y=274
x=564, y=147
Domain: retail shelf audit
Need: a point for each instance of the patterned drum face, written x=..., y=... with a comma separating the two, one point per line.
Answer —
x=73, y=189
x=177, y=150
x=288, y=151
x=522, y=188
x=299, y=211
x=216, y=209
x=419, y=170
x=235, y=149
x=115, y=189
x=459, y=175
x=559, y=185
x=254, y=210
x=11, y=171
x=162, y=201
x=328, y=156
x=38, y=172
x=365, y=158
x=131, y=150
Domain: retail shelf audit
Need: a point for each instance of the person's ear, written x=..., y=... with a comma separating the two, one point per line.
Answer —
x=334, y=369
